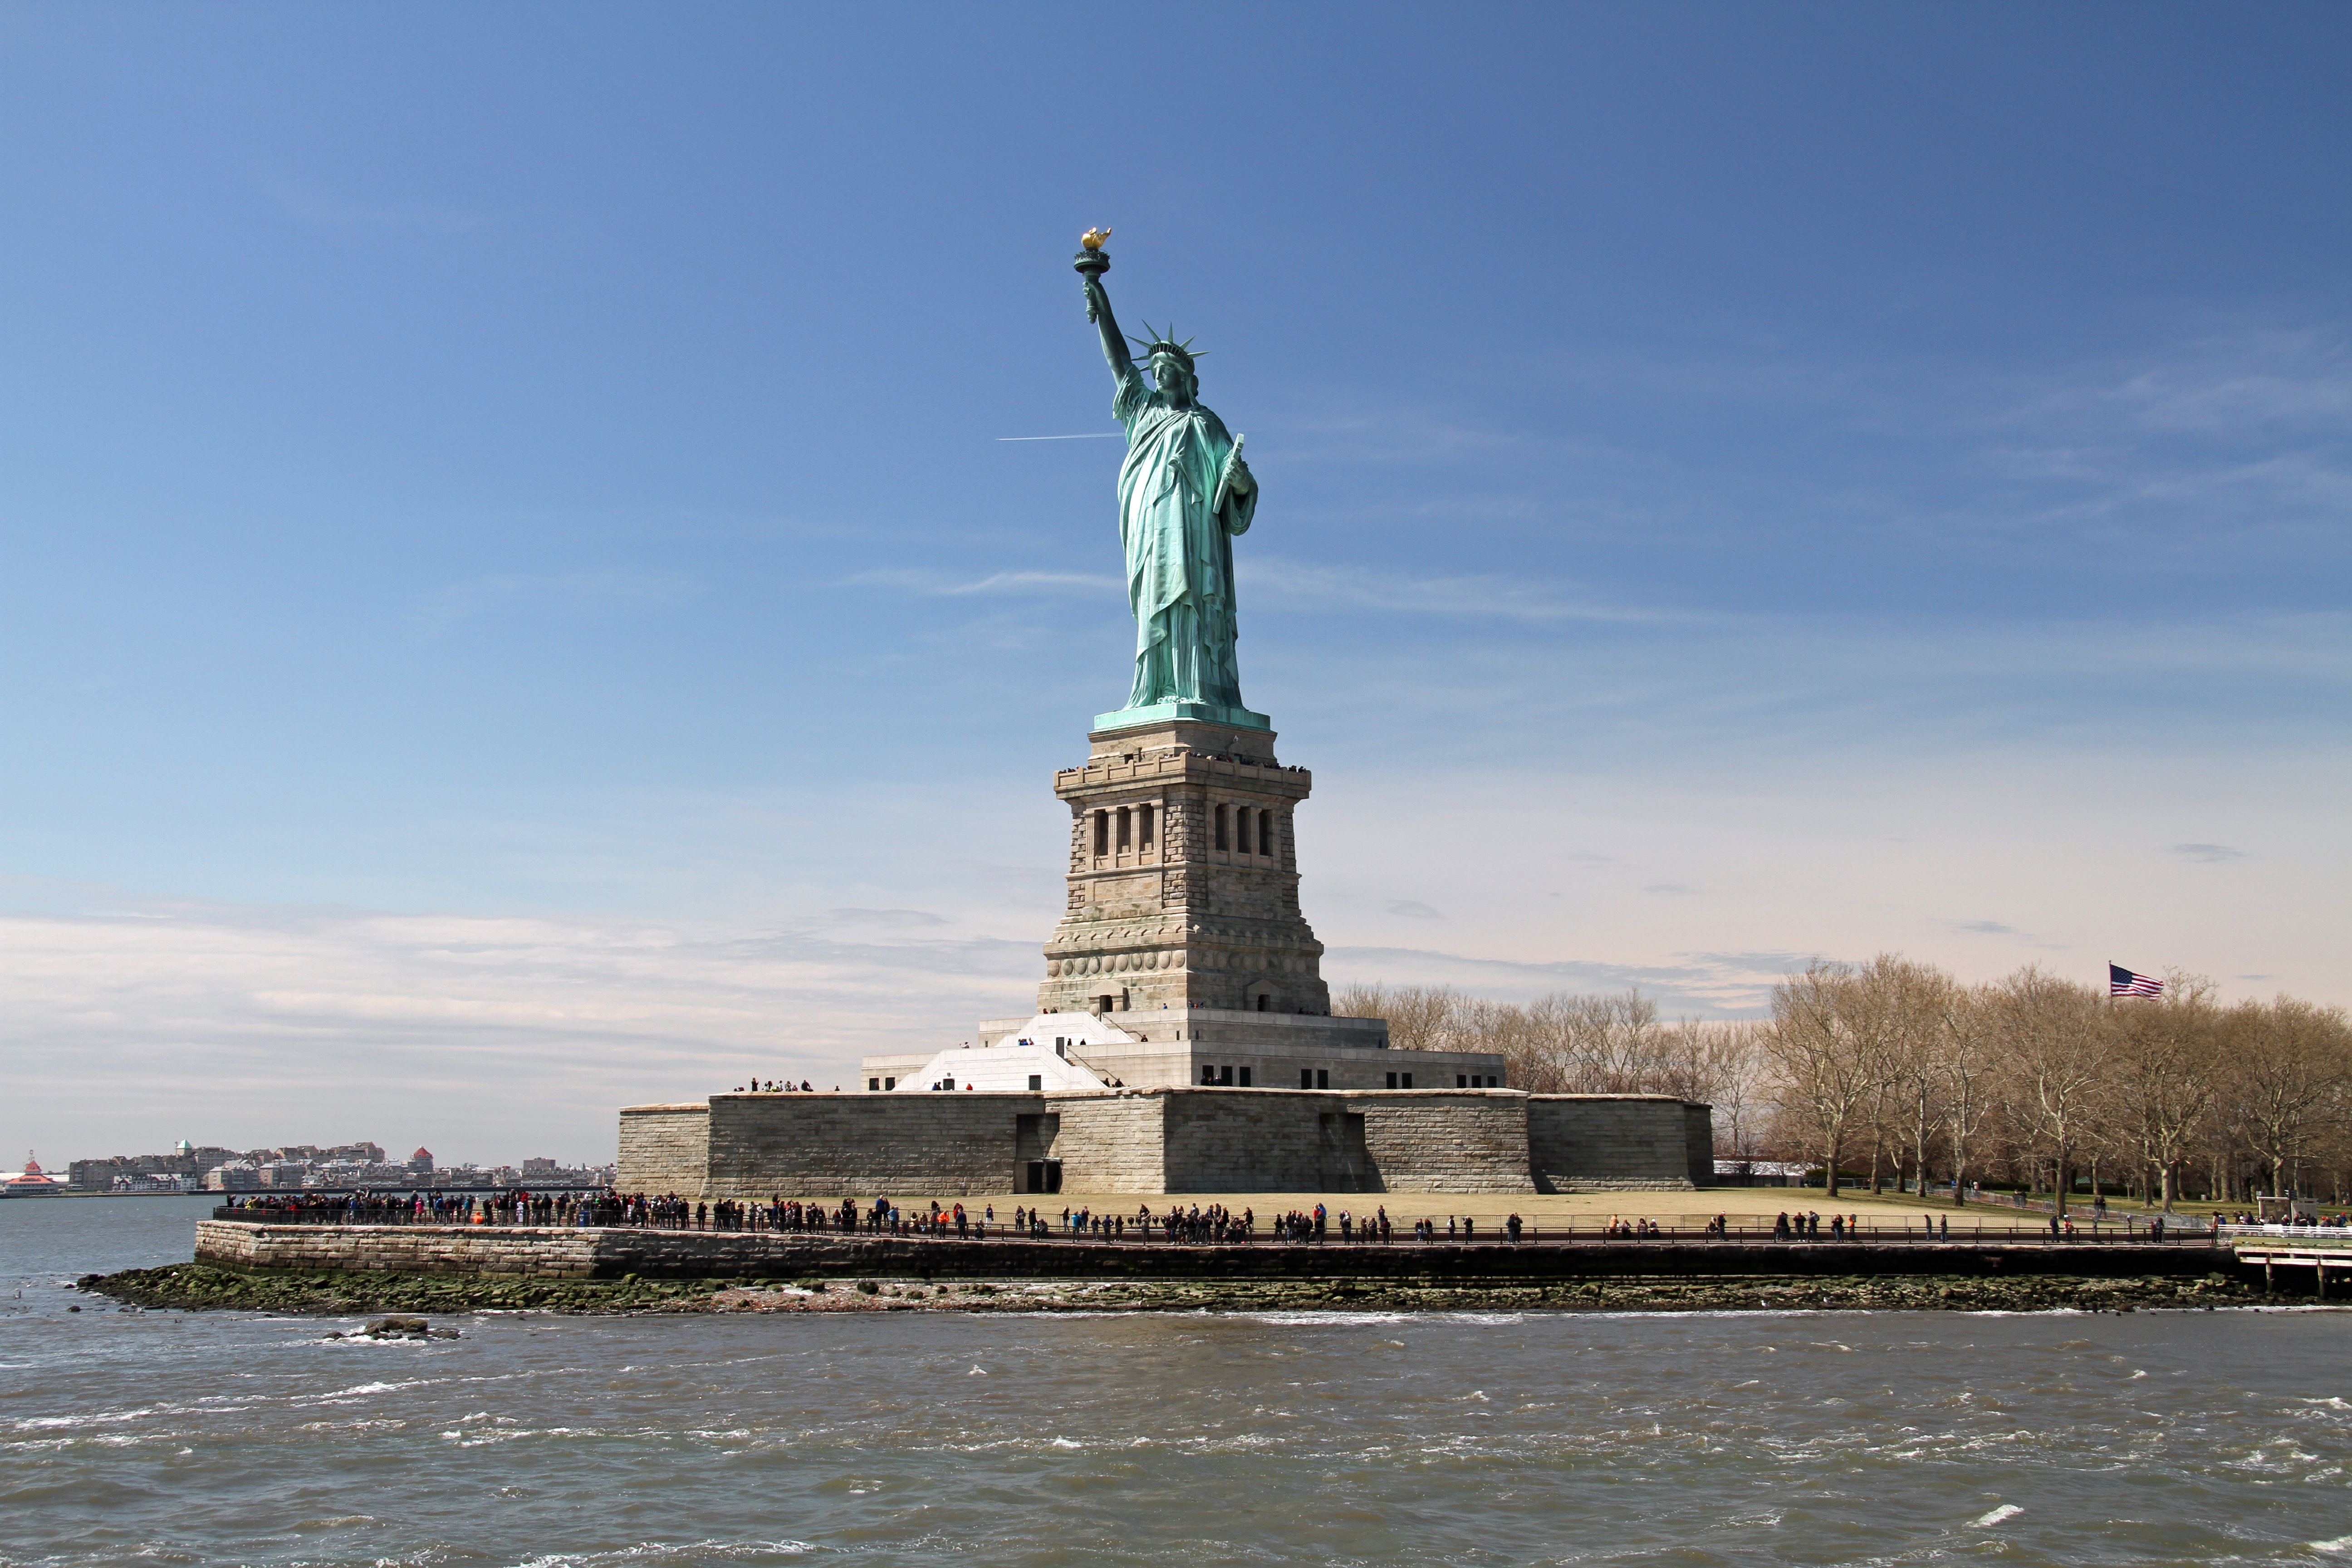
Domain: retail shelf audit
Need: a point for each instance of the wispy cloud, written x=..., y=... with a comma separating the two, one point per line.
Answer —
x=1709, y=984
x=996, y=583
x=1296, y=585
x=1389, y=436
x=896, y=919
x=590, y=594
x=1986, y=928
x=254, y=1025
x=2208, y=853
x=1413, y=909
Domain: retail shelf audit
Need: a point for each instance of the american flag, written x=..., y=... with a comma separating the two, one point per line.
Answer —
x=2122, y=982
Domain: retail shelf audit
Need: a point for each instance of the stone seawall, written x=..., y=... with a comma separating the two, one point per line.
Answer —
x=547, y=1253
x=574, y=1253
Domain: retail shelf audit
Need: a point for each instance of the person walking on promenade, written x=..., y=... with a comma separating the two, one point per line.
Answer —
x=1512, y=1224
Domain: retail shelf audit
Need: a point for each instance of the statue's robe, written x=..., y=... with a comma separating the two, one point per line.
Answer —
x=1180, y=556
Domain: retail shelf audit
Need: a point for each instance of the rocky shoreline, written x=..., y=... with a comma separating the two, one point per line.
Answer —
x=198, y=1287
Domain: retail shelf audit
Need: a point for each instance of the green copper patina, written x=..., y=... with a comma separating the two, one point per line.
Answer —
x=1183, y=494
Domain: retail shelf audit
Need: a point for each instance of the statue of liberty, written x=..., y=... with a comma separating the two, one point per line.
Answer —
x=1184, y=494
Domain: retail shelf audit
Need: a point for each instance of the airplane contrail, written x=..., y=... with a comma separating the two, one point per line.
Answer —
x=1082, y=435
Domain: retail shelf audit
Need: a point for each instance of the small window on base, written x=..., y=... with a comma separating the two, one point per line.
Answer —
x=1037, y=1082
x=1322, y=1079
x=1307, y=1077
x=1245, y=1077
x=1408, y=1080
x=873, y=1086
x=1392, y=1080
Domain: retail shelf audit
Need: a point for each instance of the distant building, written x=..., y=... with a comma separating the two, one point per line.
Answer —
x=32, y=1182
x=419, y=1163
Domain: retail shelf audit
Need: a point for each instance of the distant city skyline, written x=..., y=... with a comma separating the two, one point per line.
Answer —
x=211, y=1166
x=521, y=599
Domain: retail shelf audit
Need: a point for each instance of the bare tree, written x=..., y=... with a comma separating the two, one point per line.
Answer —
x=2291, y=1059
x=1419, y=1015
x=1823, y=1048
x=1914, y=1059
x=1733, y=1054
x=2167, y=1062
x=1969, y=1071
x=2053, y=1031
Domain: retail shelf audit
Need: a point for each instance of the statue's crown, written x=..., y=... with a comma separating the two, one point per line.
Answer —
x=1164, y=342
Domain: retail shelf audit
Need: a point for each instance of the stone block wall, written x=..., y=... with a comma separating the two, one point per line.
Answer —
x=1112, y=1144
x=1608, y=1143
x=1699, y=1133
x=664, y=1148
x=826, y=1145
x=1472, y=1141
x=758, y=1146
x=1259, y=1140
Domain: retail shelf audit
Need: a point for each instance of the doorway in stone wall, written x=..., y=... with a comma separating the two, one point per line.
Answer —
x=1043, y=1176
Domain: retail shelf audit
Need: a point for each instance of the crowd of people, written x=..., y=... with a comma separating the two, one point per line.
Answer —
x=1196, y=1225
x=2321, y=1221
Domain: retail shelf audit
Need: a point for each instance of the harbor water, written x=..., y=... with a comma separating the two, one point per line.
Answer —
x=204, y=1438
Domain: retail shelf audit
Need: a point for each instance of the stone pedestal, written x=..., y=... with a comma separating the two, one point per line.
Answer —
x=1184, y=879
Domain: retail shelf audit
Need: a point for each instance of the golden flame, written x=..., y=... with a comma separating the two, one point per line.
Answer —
x=1093, y=238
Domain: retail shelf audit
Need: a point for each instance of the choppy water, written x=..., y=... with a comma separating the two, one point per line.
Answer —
x=1471, y=1439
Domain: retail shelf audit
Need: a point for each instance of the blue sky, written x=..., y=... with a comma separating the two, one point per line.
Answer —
x=514, y=582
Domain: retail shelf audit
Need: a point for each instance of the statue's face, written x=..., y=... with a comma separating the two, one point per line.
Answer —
x=1169, y=372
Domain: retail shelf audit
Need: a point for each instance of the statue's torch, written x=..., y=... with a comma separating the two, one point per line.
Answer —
x=1093, y=261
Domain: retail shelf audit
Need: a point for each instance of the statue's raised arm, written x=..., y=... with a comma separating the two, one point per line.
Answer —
x=1115, y=349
